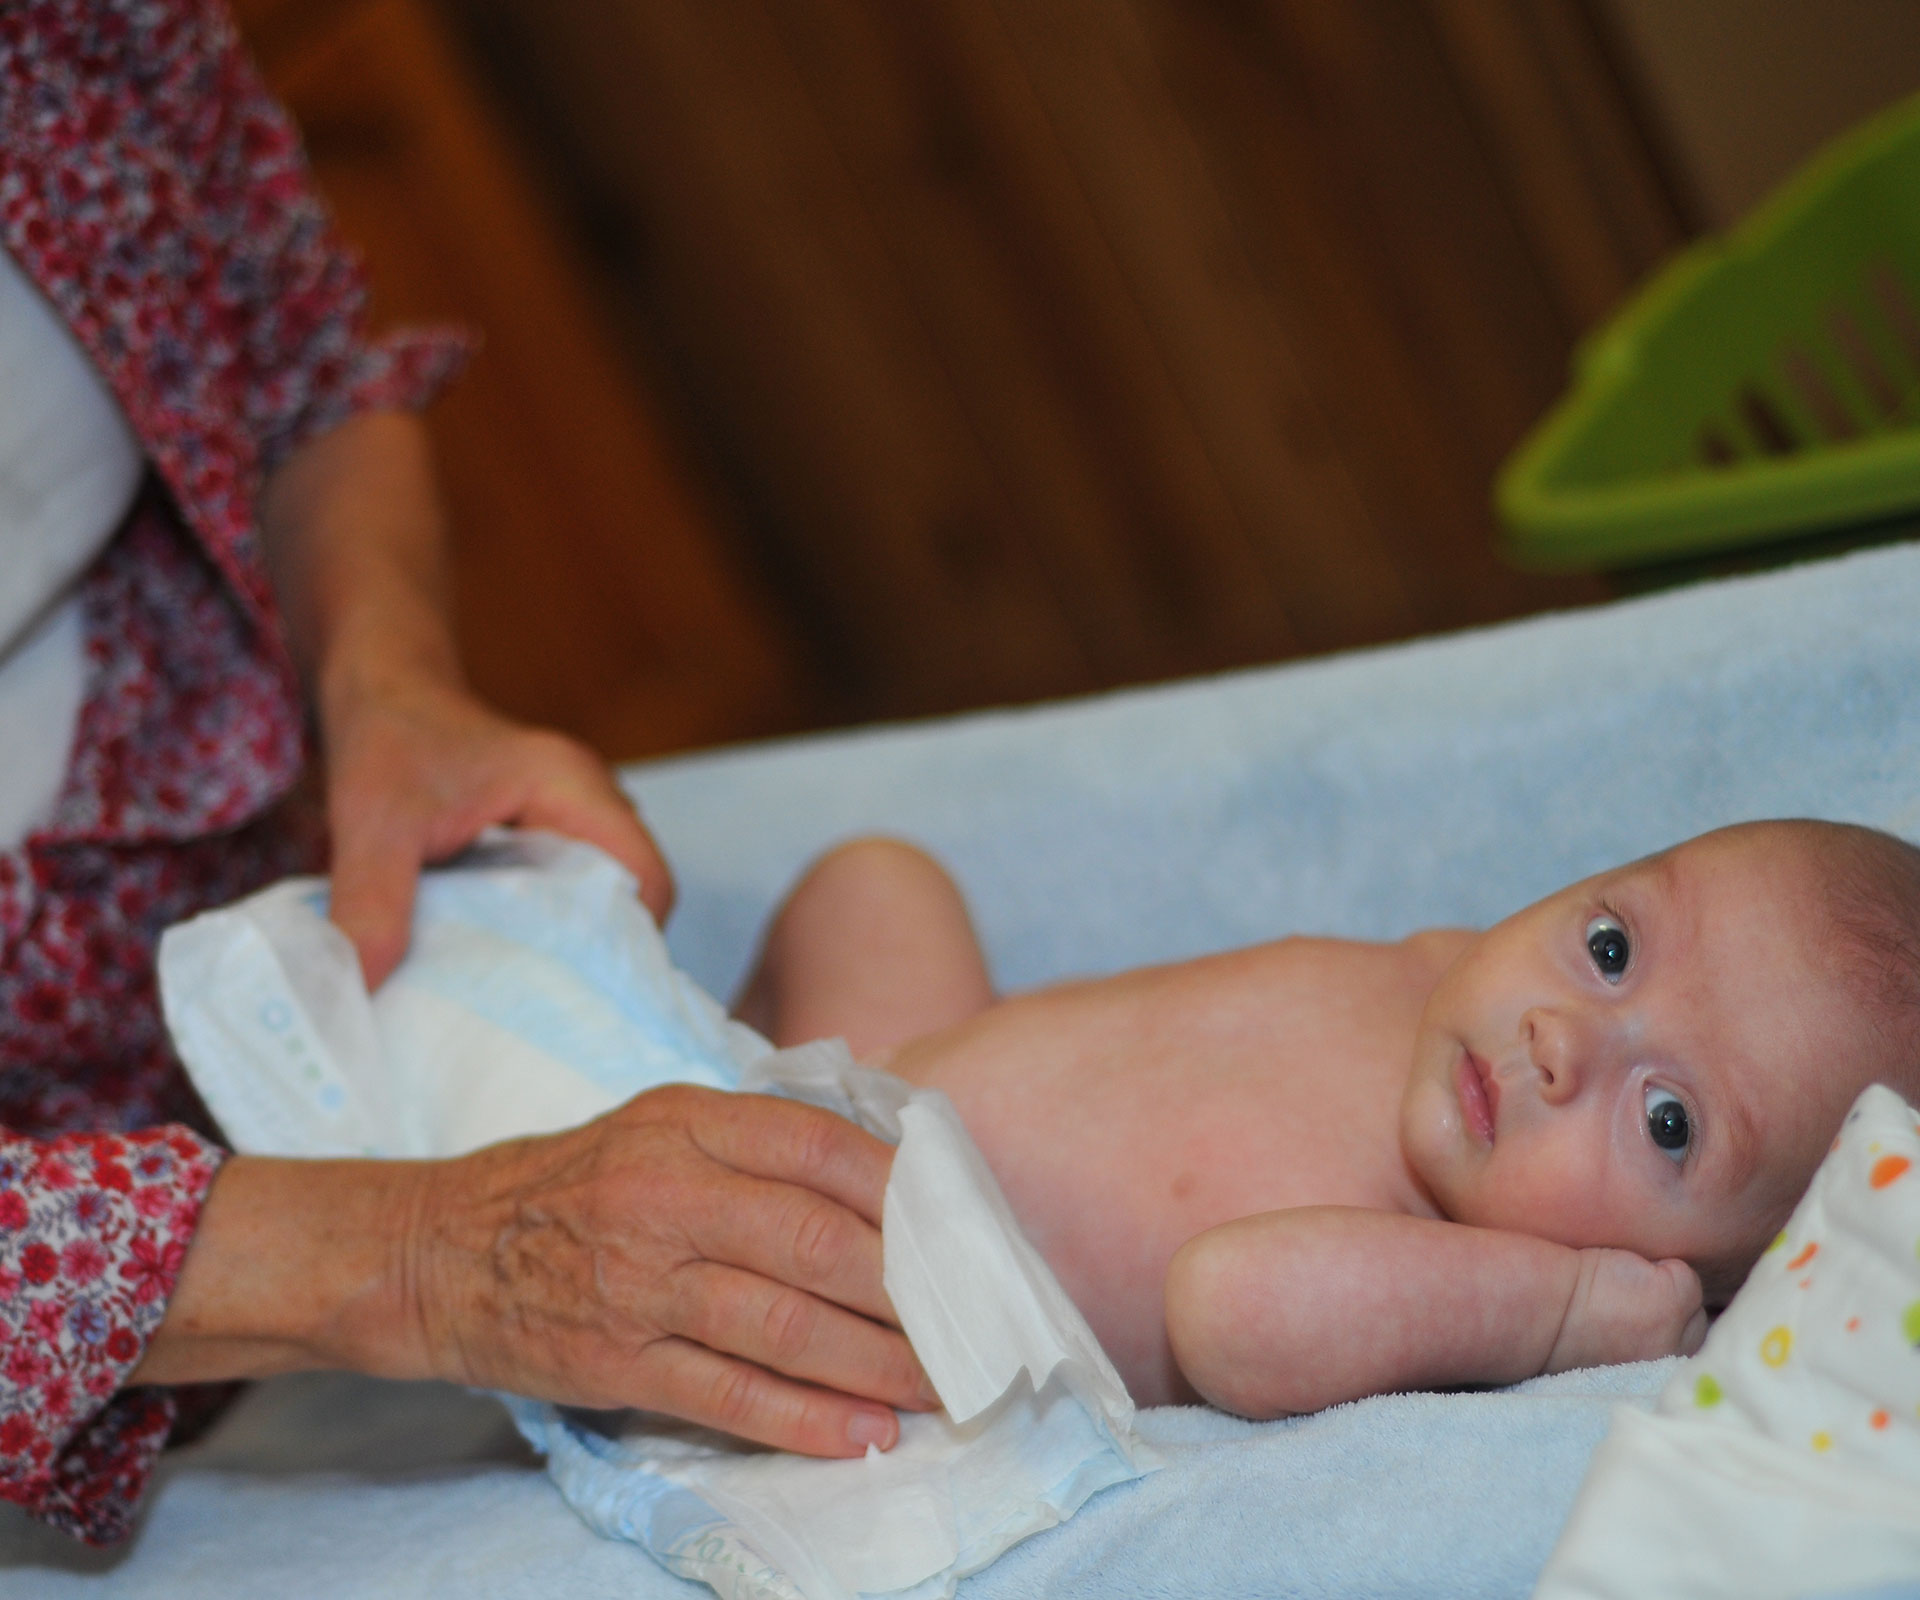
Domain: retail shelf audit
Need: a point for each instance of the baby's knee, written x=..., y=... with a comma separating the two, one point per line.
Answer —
x=875, y=867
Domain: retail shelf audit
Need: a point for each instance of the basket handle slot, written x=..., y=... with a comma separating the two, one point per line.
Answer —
x=1851, y=341
x=1896, y=304
x=1713, y=447
x=1819, y=395
x=1764, y=421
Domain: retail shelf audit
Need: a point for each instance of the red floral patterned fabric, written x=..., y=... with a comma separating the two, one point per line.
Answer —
x=158, y=196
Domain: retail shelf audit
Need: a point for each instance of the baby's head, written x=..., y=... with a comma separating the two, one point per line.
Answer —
x=1657, y=1058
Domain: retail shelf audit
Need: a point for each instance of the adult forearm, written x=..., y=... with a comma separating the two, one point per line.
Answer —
x=715, y=1256
x=297, y=1265
x=355, y=545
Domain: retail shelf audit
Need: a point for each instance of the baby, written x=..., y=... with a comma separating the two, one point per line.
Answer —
x=1317, y=1169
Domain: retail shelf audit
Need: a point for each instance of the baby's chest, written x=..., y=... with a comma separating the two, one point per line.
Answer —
x=1184, y=1107
x=1201, y=1148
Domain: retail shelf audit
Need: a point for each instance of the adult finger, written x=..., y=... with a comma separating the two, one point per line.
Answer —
x=375, y=871
x=796, y=1236
x=797, y=1334
x=737, y=1397
x=597, y=811
x=791, y=1142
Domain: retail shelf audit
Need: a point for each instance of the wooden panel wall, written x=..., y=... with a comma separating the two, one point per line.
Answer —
x=1046, y=346
x=592, y=591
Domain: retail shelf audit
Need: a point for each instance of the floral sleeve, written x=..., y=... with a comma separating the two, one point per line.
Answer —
x=159, y=198
x=93, y=1229
x=295, y=295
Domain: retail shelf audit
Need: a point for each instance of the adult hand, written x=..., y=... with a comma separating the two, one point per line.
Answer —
x=416, y=765
x=417, y=768
x=712, y=1256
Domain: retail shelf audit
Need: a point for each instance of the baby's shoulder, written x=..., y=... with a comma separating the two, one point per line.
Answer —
x=1436, y=949
x=1417, y=959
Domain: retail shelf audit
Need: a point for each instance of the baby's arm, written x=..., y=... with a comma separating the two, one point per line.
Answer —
x=1290, y=1311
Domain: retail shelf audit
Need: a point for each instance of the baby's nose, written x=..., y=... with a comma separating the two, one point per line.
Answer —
x=1553, y=1048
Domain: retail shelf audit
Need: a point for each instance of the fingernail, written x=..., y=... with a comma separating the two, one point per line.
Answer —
x=877, y=1428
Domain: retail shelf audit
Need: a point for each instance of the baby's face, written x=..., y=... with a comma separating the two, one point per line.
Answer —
x=1654, y=1059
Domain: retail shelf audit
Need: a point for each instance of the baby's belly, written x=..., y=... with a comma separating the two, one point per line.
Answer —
x=1115, y=1147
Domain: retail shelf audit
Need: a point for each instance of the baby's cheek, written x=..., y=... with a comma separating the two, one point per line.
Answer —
x=1523, y=1184
x=1560, y=1204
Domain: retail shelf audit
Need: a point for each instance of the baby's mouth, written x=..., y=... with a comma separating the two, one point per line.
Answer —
x=1479, y=1095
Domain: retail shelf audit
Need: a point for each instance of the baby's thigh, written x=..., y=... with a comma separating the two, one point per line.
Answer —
x=874, y=945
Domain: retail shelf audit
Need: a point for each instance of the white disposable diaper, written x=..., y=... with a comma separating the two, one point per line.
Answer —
x=1783, y=1459
x=536, y=994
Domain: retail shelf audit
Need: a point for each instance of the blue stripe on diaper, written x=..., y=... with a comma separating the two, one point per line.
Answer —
x=615, y=1045
x=523, y=954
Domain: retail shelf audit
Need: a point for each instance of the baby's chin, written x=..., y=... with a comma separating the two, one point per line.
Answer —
x=1433, y=1141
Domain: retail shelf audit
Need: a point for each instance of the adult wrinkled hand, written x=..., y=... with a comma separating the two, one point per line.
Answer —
x=712, y=1256
x=415, y=772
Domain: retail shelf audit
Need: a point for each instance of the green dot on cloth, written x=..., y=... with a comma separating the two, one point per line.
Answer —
x=1706, y=1388
x=1910, y=1323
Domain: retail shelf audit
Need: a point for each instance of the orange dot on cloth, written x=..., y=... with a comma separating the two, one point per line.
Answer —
x=1879, y=1419
x=1853, y=1324
x=1803, y=1258
x=1886, y=1169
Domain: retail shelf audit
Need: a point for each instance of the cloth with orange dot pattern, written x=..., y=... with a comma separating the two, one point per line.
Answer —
x=1784, y=1458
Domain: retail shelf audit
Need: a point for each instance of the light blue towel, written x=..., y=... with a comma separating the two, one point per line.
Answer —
x=1448, y=781
x=1443, y=782
x=1417, y=1494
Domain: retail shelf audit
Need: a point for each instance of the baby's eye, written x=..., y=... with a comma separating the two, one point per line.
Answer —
x=1607, y=944
x=1667, y=1123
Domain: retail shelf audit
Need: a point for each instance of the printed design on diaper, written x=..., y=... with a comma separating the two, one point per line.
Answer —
x=1820, y=1350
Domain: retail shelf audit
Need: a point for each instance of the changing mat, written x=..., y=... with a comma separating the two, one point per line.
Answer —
x=1448, y=781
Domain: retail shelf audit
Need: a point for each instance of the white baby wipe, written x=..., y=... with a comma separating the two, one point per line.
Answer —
x=538, y=993
x=1784, y=1459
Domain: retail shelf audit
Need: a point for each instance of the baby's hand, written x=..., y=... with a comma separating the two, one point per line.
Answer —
x=1626, y=1308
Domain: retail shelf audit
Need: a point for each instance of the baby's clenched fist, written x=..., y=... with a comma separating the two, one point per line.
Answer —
x=1626, y=1308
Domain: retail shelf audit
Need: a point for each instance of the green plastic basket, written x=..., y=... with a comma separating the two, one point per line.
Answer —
x=1760, y=385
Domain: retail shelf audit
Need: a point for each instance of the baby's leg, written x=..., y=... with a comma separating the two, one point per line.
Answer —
x=873, y=946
